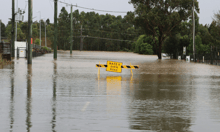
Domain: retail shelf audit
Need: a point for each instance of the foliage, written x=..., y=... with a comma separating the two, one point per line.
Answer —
x=37, y=41
x=142, y=45
x=158, y=18
x=45, y=48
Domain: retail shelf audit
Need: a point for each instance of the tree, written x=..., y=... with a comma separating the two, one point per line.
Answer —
x=217, y=17
x=159, y=17
x=143, y=45
x=37, y=41
x=3, y=29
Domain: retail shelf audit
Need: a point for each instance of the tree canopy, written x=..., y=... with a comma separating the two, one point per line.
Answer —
x=159, y=17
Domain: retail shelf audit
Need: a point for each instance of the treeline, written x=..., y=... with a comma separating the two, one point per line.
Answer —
x=150, y=29
x=99, y=32
x=207, y=38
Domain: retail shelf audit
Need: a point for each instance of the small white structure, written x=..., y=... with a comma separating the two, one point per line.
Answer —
x=20, y=49
x=179, y=57
x=187, y=58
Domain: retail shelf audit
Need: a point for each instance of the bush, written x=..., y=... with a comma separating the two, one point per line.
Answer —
x=146, y=48
x=142, y=47
x=37, y=41
x=45, y=48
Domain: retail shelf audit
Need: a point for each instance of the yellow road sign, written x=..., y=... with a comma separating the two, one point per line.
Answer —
x=113, y=66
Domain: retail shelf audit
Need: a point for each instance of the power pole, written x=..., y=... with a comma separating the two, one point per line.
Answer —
x=29, y=31
x=194, y=54
x=16, y=22
x=71, y=35
x=40, y=29
x=81, y=45
x=13, y=29
x=55, y=30
x=45, y=34
x=0, y=31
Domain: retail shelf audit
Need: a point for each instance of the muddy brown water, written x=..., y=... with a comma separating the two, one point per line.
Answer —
x=68, y=94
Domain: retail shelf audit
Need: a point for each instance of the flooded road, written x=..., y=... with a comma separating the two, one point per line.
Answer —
x=68, y=95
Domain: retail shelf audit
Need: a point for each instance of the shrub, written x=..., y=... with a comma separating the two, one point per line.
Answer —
x=142, y=46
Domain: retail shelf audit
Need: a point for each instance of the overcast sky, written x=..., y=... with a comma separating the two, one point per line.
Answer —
x=46, y=7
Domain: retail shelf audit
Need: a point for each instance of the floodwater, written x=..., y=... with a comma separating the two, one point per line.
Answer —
x=68, y=95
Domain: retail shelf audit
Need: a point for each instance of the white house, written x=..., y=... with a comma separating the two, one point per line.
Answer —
x=21, y=48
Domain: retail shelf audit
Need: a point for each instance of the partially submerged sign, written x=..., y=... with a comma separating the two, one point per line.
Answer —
x=116, y=66
x=113, y=66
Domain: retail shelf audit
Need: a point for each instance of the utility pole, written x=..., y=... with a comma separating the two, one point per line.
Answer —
x=45, y=34
x=40, y=27
x=71, y=35
x=13, y=29
x=55, y=30
x=194, y=54
x=16, y=22
x=0, y=31
x=29, y=31
x=81, y=45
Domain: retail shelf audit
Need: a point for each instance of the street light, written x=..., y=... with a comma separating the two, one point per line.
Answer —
x=45, y=25
x=40, y=26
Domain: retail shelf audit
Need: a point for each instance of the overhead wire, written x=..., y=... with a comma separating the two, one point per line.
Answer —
x=103, y=38
x=91, y=8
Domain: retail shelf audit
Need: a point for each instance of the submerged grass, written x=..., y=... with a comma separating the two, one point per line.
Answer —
x=3, y=61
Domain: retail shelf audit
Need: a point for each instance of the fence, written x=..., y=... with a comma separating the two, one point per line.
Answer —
x=5, y=50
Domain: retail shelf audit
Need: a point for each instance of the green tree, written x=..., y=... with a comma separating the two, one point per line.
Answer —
x=3, y=29
x=37, y=41
x=143, y=46
x=158, y=18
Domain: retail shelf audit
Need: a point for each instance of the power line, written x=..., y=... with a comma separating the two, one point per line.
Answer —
x=91, y=8
x=105, y=38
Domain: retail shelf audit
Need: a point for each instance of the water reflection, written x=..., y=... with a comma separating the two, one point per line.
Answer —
x=53, y=122
x=12, y=99
x=160, y=105
x=29, y=98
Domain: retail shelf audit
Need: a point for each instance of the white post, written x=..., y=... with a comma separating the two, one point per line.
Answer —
x=203, y=59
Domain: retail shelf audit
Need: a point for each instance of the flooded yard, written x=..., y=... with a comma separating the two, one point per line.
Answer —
x=68, y=94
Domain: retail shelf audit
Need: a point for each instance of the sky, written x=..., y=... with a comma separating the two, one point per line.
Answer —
x=45, y=8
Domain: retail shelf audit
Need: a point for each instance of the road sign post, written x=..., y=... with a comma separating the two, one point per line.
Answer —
x=116, y=67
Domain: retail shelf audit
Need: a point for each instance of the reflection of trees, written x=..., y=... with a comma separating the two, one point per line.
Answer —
x=28, y=101
x=156, y=106
x=214, y=102
x=53, y=122
x=12, y=99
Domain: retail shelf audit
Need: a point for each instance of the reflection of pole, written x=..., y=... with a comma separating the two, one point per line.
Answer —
x=71, y=30
x=194, y=54
x=55, y=30
x=29, y=31
x=54, y=98
x=12, y=99
x=28, y=102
